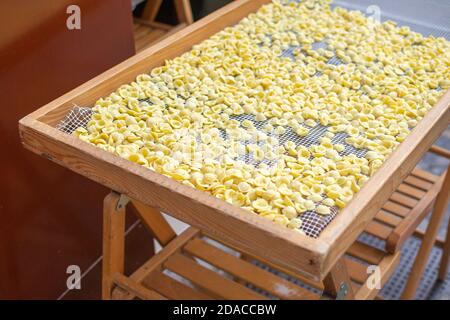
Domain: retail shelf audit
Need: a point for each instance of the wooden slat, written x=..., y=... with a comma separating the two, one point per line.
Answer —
x=357, y=271
x=440, y=241
x=365, y=252
x=209, y=280
x=388, y=218
x=136, y=289
x=396, y=208
x=379, y=230
x=440, y=151
x=425, y=175
x=246, y=271
x=418, y=183
x=171, y=288
x=403, y=199
x=440, y=209
x=155, y=262
x=270, y=264
x=387, y=267
x=407, y=227
x=411, y=191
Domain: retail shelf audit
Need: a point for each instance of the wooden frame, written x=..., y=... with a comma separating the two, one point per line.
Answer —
x=313, y=258
x=348, y=279
x=420, y=193
x=429, y=240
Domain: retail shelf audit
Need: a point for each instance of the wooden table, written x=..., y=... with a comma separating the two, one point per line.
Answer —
x=312, y=258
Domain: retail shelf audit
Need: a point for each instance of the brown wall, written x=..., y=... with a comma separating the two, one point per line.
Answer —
x=49, y=217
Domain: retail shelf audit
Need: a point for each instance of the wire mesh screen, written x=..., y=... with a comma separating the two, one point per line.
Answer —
x=76, y=118
x=312, y=223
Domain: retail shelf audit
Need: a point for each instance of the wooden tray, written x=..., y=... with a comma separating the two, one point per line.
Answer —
x=311, y=257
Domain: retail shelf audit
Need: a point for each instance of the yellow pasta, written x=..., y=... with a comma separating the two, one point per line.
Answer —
x=323, y=210
x=181, y=119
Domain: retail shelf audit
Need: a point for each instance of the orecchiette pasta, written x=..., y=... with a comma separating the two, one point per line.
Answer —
x=182, y=119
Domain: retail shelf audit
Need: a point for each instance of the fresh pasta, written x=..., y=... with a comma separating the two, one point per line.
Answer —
x=180, y=120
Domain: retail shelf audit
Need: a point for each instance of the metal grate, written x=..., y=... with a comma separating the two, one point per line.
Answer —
x=76, y=118
x=313, y=223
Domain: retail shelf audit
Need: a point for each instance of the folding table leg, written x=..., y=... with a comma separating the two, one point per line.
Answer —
x=443, y=268
x=151, y=10
x=337, y=283
x=440, y=208
x=154, y=221
x=184, y=11
x=113, y=241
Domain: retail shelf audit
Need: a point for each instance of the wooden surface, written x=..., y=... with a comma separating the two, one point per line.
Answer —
x=440, y=208
x=232, y=274
x=313, y=258
x=443, y=267
x=113, y=242
x=338, y=278
x=405, y=209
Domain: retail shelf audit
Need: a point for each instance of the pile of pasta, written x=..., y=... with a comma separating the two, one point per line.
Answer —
x=180, y=120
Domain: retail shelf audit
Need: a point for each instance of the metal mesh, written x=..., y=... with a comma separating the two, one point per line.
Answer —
x=76, y=118
x=313, y=223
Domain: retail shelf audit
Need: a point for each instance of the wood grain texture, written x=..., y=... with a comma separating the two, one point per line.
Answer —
x=408, y=225
x=172, y=289
x=387, y=266
x=113, y=243
x=154, y=221
x=445, y=258
x=154, y=264
x=209, y=280
x=136, y=289
x=243, y=270
x=337, y=277
x=440, y=208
